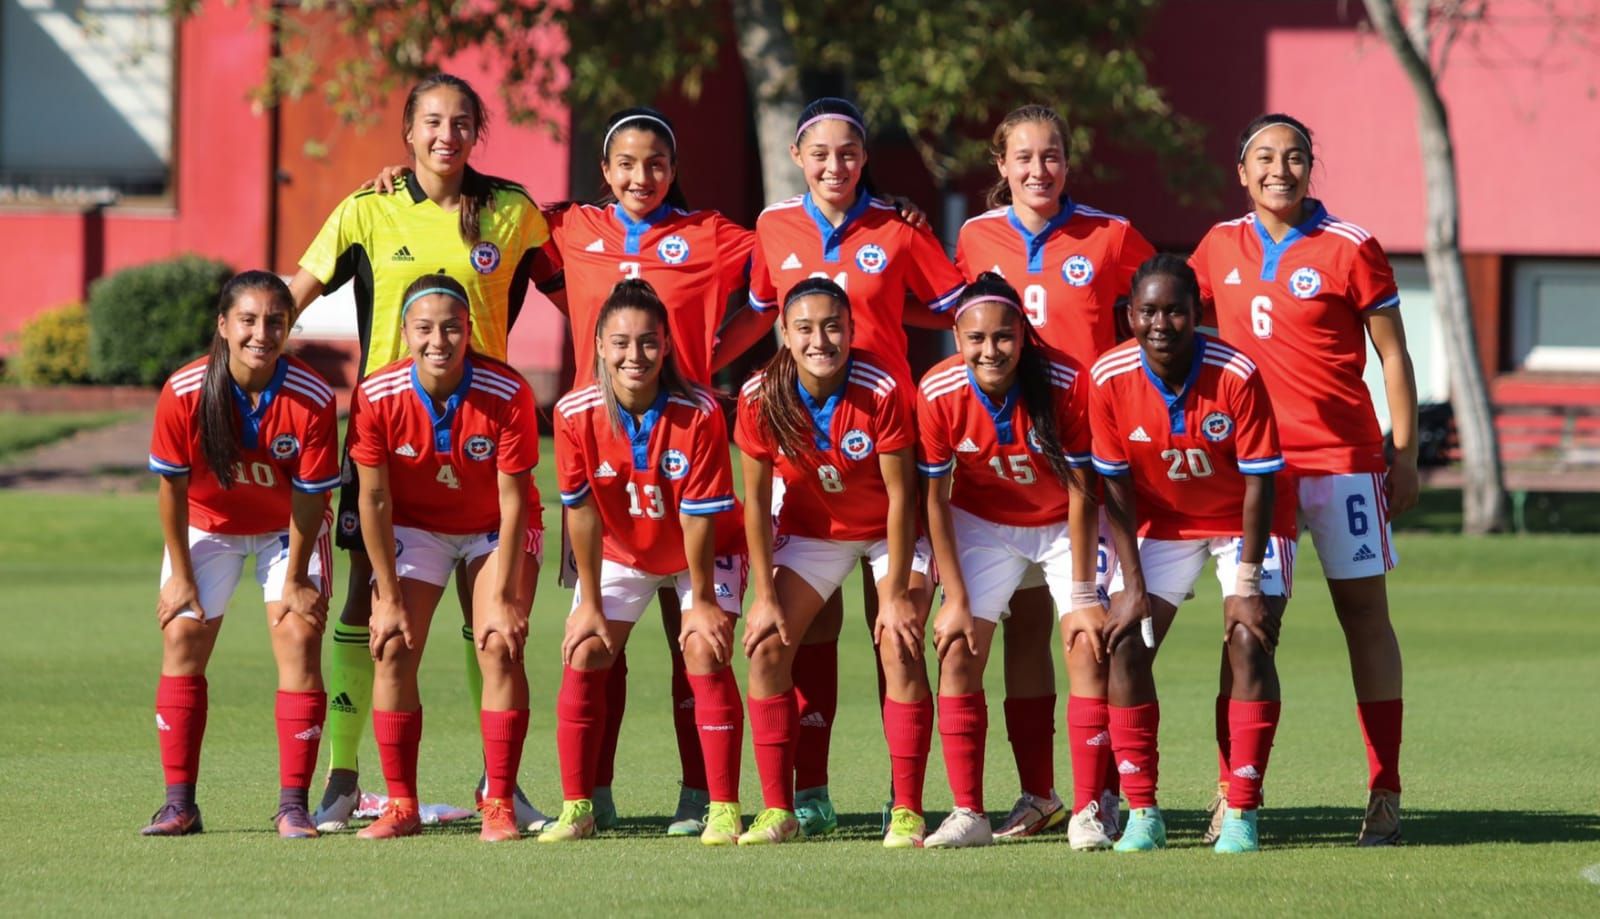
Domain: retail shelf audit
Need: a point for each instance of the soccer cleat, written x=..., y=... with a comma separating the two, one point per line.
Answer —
x=772, y=826
x=293, y=822
x=1087, y=831
x=1381, y=826
x=1032, y=815
x=814, y=809
x=690, y=818
x=1145, y=832
x=1238, y=832
x=963, y=828
x=529, y=817
x=1110, y=815
x=500, y=820
x=906, y=829
x=723, y=825
x=605, y=808
x=340, y=798
x=174, y=820
x=400, y=817
x=1216, y=810
x=576, y=822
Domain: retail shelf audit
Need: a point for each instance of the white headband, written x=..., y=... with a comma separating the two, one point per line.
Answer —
x=986, y=298
x=1272, y=124
x=837, y=116
x=671, y=138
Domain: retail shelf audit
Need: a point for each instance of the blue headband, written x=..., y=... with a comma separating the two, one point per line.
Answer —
x=432, y=290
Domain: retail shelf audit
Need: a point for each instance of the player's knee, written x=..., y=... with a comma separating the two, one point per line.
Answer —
x=1131, y=659
x=1248, y=655
x=698, y=656
x=961, y=672
x=768, y=656
x=591, y=654
x=183, y=644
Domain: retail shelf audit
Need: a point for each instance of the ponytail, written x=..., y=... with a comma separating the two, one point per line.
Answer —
x=637, y=294
x=477, y=189
x=217, y=416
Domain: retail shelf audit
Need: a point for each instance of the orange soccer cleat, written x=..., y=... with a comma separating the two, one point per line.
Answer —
x=400, y=817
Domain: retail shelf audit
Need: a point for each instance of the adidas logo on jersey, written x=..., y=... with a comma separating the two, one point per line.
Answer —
x=596, y=246
x=814, y=720
x=406, y=450
x=605, y=471
x=1232, y=278
x=1139, y=436
x=402, y=254
x=161, y=723
x=967, y=446
x=1363, y=554
x=1248, y=773
x=1099, y=740
x=1126, y=767
x=342, y=703
x=792, y=263
x=310, y=733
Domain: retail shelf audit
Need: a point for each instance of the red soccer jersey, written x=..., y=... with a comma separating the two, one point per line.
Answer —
x=875, y=256
x=288, y=440
x=839, y=493
x=440, y=472
x=695, y=260
x=643, y=473
x=1069, y=274
x=1000, y=475
x=1188, y=451
x=1295, y=308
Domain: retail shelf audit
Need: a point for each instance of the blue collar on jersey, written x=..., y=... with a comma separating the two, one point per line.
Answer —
x=1272, y=252
x=634, y=230
x=999, y=414
x=1034, y=242
x=1176, y=400
x=443, y=420
x=822, y=415
x=832, y=235
x=639, y=431
x=250, y=430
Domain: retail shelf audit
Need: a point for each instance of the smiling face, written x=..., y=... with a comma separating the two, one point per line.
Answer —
x=255, y=328
x=1276, y=171
x=816, y=330
x=832, y=155
x=989, y=336
x=632, y=345
x=442, y=131
x=1035, y=167
x=638, y=170
x=1163, y=317
x=438, y=333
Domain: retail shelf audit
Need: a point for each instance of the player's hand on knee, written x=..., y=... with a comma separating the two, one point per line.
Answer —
x=1129, y=609
x=954, y=621
x=389, y=621
x=1088, y=624
x=505, y=620
x=1250, y=613
x=708, y=621
x=306, y=600
x=899, y=623
x=764, y=620
x=586, y=622
x=178, y=595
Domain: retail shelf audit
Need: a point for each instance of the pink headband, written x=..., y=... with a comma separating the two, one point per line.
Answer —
x=987, y=298
x=860, y=128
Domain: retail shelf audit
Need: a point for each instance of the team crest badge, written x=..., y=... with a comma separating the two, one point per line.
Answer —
x=1077, y=270
x=673, y=250
x=485, y=257
x=349, y=522
x=872, y=259
x=856, y=444
x=1216, y=427
x=479, y=447
x=1033, y=441
x=674, y=465
x=285, y=446
x=1305, y=282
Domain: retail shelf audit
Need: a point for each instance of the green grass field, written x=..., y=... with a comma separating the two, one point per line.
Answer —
x=20, y=431
x=1502, y=765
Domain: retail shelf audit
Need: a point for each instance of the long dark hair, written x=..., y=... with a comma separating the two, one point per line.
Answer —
x=215, y=412
x=790, y=423
x=1035, y=390
x=845, y=109
x=1000, y=192
x=644, y=118
x=477, y=189
x=637, y=294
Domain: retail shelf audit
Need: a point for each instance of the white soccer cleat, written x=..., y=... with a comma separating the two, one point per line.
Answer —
x=334, y=815
x=1032, y=815
x=963, y=829
x=1086, y=830
x=1111, y=813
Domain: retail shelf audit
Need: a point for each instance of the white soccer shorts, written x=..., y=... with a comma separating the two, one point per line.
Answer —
x=997, y=561
x=218, y=561
x=1171, y=566
x=825, y=563
x=424, y=555
x=625, y=592
x=1348, y=516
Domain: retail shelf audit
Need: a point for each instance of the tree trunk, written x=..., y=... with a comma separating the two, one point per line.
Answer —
x=773, y=75
x=1483, y=498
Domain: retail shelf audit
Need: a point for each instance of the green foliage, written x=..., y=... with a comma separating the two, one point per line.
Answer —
x=147, y=321
x=53, y=348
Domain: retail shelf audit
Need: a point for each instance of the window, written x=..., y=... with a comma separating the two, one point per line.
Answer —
x=1555, y=315
x=85, y=100
x=1423, y=340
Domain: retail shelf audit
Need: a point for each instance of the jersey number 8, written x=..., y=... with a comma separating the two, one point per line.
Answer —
x=829, y=476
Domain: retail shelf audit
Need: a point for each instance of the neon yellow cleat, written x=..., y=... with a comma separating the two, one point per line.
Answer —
x=907, y=829
x=723, y=824
x=772, y=826
x=576, y=822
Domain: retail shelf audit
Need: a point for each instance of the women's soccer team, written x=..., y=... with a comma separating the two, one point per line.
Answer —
x=1044, y=477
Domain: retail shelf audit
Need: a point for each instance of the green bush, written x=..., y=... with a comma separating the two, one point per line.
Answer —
x=147, y=321
x=53, y=348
